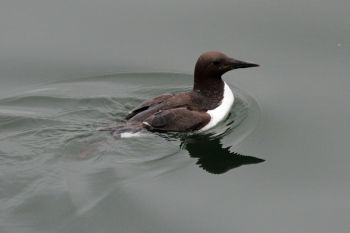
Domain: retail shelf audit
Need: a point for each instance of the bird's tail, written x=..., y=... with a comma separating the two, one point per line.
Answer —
x=125, y=130
x=120, y=131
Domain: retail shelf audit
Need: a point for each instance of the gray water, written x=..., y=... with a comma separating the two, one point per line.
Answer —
x=278, y=163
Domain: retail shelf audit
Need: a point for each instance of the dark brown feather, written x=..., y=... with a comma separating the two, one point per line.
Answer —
x=176, y=120
x=148, y=103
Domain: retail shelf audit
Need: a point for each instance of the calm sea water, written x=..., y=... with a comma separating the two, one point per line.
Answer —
x=50, y=181
x=278, y=163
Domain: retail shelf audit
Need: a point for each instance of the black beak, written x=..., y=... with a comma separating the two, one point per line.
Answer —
x=236, y=64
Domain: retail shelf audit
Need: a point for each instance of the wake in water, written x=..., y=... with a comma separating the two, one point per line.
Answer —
x=118, y=132
x=61, y=118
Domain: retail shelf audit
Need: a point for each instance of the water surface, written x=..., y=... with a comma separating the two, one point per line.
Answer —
x=51, y=182
x=49, y=112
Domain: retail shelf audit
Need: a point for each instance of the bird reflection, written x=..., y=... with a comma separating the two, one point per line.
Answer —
x=212, y=156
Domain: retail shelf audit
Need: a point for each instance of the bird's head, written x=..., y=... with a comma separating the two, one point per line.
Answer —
x=216, y=64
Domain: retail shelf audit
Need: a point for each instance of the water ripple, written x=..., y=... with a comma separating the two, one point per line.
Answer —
x=44, y=131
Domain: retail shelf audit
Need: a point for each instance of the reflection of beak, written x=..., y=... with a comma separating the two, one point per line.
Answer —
x=236, y=64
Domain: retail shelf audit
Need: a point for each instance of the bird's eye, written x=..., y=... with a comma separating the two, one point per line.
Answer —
x=216, y=63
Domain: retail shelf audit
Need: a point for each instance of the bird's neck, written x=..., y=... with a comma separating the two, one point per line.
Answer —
x=208, y=86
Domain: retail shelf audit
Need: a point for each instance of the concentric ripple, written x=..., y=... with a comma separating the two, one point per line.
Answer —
x=44, y=132
x=64, y=116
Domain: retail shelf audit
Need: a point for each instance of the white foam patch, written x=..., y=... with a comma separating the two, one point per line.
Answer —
x=220, y=112
x=132, y=135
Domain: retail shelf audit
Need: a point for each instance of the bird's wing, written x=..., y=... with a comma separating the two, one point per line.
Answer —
x=176, y=120
x=147, y=104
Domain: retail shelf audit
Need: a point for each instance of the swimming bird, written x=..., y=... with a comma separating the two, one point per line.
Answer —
x=200, y=109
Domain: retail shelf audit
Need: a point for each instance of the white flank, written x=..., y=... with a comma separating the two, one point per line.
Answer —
x=132, y=135
x=220, y=112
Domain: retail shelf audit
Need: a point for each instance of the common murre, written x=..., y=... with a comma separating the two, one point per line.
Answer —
x=200, y=109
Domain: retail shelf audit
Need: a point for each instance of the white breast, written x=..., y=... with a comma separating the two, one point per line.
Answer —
x=220, y=112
